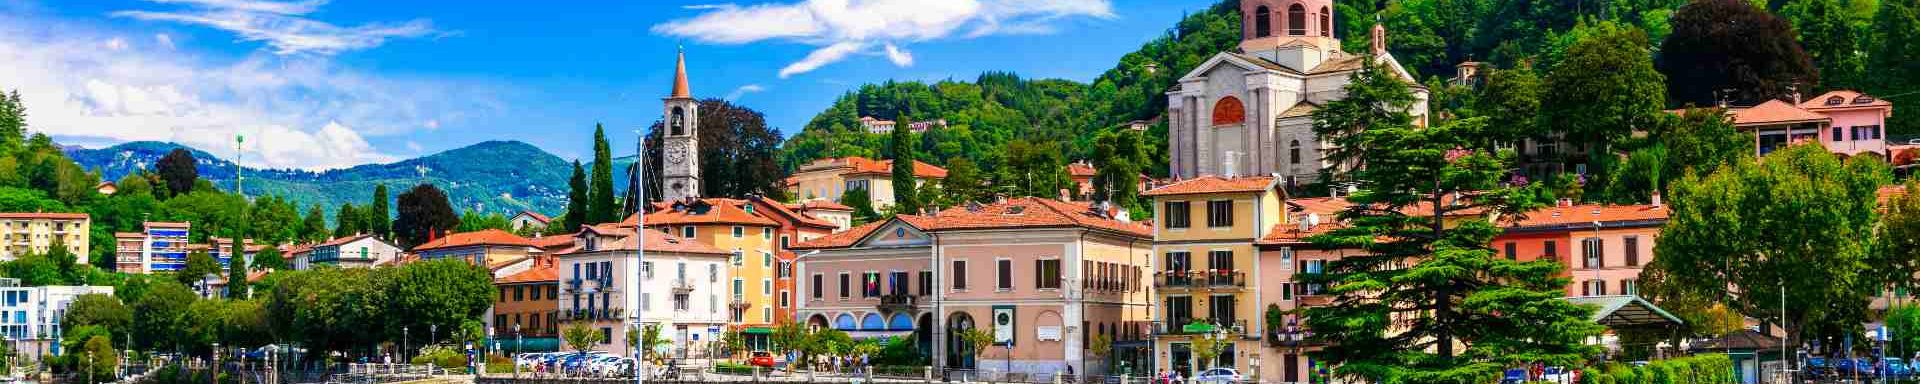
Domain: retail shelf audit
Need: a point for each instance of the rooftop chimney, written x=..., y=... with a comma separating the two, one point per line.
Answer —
x=1656, y=199
x=1563, y=203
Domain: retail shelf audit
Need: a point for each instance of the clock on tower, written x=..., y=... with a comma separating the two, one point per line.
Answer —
x=681, y=170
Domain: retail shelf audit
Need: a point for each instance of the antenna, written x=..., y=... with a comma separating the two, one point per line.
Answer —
x=239, y=174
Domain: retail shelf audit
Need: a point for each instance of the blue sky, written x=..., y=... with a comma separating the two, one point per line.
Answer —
x=321, y=84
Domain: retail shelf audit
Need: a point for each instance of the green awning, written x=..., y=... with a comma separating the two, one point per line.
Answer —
x=1197, y=328
x=532, y=344
x=758, y=331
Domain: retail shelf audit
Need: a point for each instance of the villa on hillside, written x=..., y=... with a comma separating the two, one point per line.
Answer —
x=832, y=177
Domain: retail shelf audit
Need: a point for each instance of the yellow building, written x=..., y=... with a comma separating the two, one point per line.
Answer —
x=22, y=233
x=1206, y=270
x=735, y=226
x=830, y=178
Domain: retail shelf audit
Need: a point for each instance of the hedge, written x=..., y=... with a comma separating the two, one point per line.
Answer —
x=1700, y=369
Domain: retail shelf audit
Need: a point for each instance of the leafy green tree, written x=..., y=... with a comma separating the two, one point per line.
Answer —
x=13, y=123
x=313, y=228
x=1700, y=141
x=576, y=199
x=273, y=219
x=178, y=169
x=98, y=310
x=199, y=265
x=28, y=200
x=963, y=183
x=1425, y=286
x=1903, y=322
x=444, y=292
x=1732, y=45
x=424, y=214
x=1831, y=39
x=347, y=221
x=1033, y=169
x=33, y=270
x=1119, y=159
x=580, y=337
x=270, y=258
x=1730, y=237
x=157, y=314
x=600, y=197
x=328, y=309
x=1510, y=99
x=1891, y=52
x=862, y=205
x=98, y=360
x=474, y=221
x=905, y=200
x=1605, y=87
x=378, y=219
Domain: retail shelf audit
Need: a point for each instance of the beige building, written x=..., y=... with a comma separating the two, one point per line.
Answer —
x=22, y=233
x=1206, y=257
x=831, y=178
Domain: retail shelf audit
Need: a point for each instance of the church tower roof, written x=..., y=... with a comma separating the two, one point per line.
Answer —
x=680, y=89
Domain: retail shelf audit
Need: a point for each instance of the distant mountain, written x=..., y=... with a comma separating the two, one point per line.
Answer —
x=495, y=176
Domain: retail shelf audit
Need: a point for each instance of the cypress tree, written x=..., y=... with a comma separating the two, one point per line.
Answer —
x=601, y=205
x=576, y=198
x=379, y=223
x=904, y=198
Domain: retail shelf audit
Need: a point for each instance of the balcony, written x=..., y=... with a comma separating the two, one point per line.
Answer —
x=573, y=285
x=1292, y=336
x=897, y=302
x=1206, y=327
x=1174, y=280
x=739, y=302
x=682, y=286
x=1223, y=278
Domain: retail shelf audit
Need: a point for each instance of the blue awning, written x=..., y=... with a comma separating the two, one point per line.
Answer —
x=872, y=322
x=844, y=322
x=900, y=322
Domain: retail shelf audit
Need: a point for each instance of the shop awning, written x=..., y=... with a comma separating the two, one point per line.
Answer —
x=1626, y=311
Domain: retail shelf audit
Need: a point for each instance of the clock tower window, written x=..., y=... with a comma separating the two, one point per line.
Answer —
x=679, y=121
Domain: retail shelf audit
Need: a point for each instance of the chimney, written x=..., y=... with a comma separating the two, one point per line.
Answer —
x=1122, y=215
x=1379, y=38
x=1065, y=196
x=1564, y=203
x=1656, y=199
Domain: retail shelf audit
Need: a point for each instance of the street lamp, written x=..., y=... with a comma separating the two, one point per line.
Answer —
x=433, y=334
x=405, y=349
x=216, y=363
x=517, y=342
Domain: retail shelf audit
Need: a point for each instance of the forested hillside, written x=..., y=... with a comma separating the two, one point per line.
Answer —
x=1847, y=42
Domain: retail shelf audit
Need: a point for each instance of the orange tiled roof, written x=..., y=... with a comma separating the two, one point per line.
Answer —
x=538, y=274
x=1033, y=212
x=43, y=215
x=1887, y=193
x=166, y=224
x=796, y=217
x=659, y=242
x=1774, y=112
x=1081, y=169
x=718, y=211
x=1847, y=100
x=847, y=237
x=1584, y=215
x=861, y=166
x=536, y=216
x=1213, y=184
x=482, y=237
x=1290, y=233
x=1325, y=206
x=550, y=242
x=821, y=204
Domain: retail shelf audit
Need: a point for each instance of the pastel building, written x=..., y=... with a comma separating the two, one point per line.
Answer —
x=831, y=178
x=1041, y=276
x=681, y=287
x=745, y=231
x=491, y=248
x=33, y=232
x=358, y=251
x=30, y=316
x=526, y=313
x=1845, y=122
x=1604, y=247
x=1206, y=258
x=794, y=227
x=1287, y=257
x=158, y=247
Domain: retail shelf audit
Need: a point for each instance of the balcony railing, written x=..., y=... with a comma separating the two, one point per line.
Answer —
x=739, y=302
x=1206, y=278
x=1173, y=280
x=682, y=286
x=1205, y=327
x=897, y=302
x=1224, y=278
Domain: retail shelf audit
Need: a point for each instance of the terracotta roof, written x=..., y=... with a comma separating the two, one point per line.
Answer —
x=1584, y=215
x=1033, y=212
x=1774, y=112
x=1290, y=233
x=659, y=242
x=257, y=275
x=1848, y=99
x=128, y=234
x=550, y=242
x=538, y=274
x=43, y=215
x=680, y=88
x=716, y=211
x=1325, y=206
x=795, y=217
x=342, y=240
x=1341, y=64
x=536, y=216
x=482, y=237
x=1263, y=63
x=166, y=224
x=295, y=250
x=1301, y=109
x=1081, y=169
x=865, y=166
x=496, y=265
x=844, y=238
x=820, y=204
x=1214, y=184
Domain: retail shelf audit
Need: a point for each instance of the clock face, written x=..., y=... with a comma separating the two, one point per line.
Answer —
x=677, y=153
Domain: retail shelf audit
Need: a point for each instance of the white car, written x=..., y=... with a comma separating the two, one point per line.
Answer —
x=1216, y=376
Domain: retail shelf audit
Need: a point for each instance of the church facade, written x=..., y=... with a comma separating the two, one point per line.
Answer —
x=1249, y=111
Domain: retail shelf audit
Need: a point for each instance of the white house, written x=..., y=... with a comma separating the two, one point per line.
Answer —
x=30, y=316
x=681, y=286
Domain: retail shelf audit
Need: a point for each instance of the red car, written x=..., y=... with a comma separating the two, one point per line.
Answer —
x=761, y=359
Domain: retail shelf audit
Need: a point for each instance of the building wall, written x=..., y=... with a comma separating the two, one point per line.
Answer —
x=1846, y=120
x=19, y=236
x=1615, y=271
x=485, y=254
x=533, y=306
x=578, y=291
x=1254, y=215
x=30, y=316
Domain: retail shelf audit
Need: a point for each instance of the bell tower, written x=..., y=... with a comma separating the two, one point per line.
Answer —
x=680, y=144
x=1295, y=33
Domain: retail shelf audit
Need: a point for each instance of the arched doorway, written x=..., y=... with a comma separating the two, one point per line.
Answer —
x=923, y=335
x=959, y=354
x=817, y=322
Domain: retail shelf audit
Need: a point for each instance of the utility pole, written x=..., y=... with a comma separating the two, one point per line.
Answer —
x=639, y=256
x=239, y=173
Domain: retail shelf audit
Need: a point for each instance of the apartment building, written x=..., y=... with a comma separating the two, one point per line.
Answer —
x=597, y=286
x=747, y=233
x=158, y=247
x=1604, y=247
x=1206, y=257
x=30, y=316
x=830, y=178
x=526, y=313
x=32, y=232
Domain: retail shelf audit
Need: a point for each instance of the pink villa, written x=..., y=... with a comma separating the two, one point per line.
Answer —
x=1603, y=246
x=1043, y=277
x=1845, y=122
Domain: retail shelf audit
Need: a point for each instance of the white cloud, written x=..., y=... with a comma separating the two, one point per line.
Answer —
x=844, y=27
x=743, y=91
x=164, y=40
x=296, y=111
x=282, y=25
x=117, y=44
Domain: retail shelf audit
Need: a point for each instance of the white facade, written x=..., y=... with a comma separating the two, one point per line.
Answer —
x=681, y=291
x=361, y=252
x=30, y=316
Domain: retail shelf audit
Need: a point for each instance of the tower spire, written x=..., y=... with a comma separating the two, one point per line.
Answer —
x=680, y=89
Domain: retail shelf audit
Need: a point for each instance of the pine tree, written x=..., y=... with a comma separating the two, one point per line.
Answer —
x=1426, y=282
x=601, y=206
x=904, y=198
x=576, y=199
x=347, y=221
x=13, y=124
x=379, y=222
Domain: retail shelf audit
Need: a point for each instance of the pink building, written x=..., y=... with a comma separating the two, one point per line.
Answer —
x=1846, y=122
x=1042, y=276
x=1603, y=246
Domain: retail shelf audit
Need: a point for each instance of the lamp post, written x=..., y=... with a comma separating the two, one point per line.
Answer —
x=517, y=342
x=639, y=253
x=433, y=334
x=216, y=363
x=405, y=350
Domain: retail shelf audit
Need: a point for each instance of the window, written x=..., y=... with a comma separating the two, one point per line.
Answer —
x=739, y=288
x=1005, y=272
x=1293, y=152
x=1633, y=250
x=1836, y=134
x=1296, y=20
x=686, y=232
x=766, y=233
x=959, y=275
x=680, y=271
x=1221, y=307
x=739, y=232
x=1835, y=100
x=1513, y=251
x=817, y=282
x=1178, y=214
x=1046, y=274
x=784, y=241
x=606, y=335
x=1326, y=22
x=519, y=293
x=1286, y=256
x=846, y=285
x=1220, y=260
x=680, y=302
x=1630, y=287
x=786, y=299
x=503, y=296
x=1220, y=213
x=766, y=286
x=1262, y=22
x=1594, y=249
x=739, y=258
x=713, y=273
x=766, y=259
x=926, y=283
x=786, y=270
x=1179, y=311
x=1178, y=261
x=766, y=314
x=1552, y=250
x=1593, y=288
x=1286, y=291
x=870, y=284
x=535, y=293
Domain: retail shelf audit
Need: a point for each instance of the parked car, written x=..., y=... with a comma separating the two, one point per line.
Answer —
x=1893, y=368
x=1817, y=367
x=1217, y=376
x=1854, y=366
x=1559, y=375
x=1514, y=376
x=761, y=359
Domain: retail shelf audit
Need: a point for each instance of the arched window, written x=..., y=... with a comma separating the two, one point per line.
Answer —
x=1296, y=20
x=678, y=122
x=1229, y=111
x=1293, y=151
x=1326, y=22
x=1262, y=22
